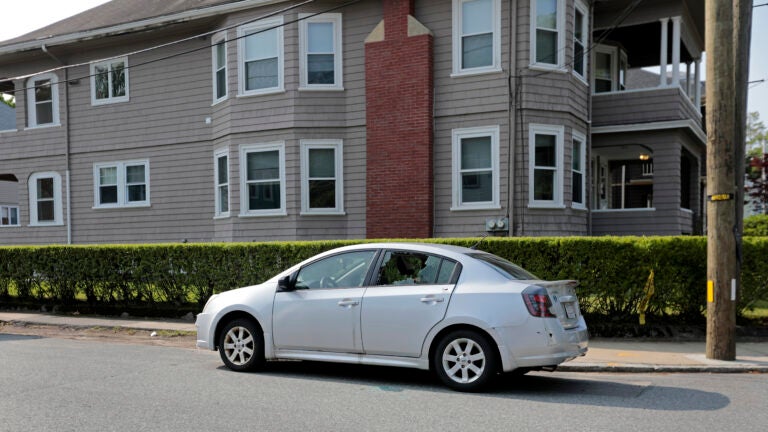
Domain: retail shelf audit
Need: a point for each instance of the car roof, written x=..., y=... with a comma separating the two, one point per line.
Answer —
x=437, y=248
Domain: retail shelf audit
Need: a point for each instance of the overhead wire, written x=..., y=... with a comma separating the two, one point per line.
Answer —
x=186, y=39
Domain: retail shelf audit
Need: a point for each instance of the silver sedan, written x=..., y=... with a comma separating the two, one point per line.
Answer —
x=465, y=314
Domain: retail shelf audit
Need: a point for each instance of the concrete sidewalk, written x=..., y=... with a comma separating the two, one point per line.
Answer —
x=605, y=355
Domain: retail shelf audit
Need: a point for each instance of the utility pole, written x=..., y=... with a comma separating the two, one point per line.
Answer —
x=728, y=23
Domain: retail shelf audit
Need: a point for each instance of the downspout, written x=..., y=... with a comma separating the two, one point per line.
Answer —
x=590, y=175
x=512, y=109
x=68, y=193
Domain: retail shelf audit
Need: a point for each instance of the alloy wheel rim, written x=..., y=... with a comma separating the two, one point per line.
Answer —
x=463, y=360
x=239, y=345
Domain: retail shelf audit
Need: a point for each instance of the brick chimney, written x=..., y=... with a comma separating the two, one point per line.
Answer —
x=399, y=95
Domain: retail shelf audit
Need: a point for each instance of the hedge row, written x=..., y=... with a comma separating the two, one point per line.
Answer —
x=756, y=225
x=613, y=271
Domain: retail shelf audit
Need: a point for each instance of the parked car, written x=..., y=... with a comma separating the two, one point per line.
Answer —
x=463, y=313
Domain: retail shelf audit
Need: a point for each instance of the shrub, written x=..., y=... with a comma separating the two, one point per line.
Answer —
x=613, y=271
x=756, y=225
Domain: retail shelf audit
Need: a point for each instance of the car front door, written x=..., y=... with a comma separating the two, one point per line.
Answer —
x=323, y=312
x=409, y=296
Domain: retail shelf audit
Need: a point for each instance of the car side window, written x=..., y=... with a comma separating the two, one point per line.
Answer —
x=344, y=270
x=412, y=268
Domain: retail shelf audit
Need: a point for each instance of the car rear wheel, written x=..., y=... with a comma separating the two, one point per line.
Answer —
x=242, y=345
x=464, y=360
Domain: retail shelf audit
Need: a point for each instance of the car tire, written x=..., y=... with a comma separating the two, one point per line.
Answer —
x=241, y=345
x=465, y=360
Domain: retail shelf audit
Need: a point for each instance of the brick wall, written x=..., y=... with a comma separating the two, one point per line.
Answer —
x=398, y=74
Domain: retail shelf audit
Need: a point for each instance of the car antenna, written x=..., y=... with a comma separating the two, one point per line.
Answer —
x=474, y=246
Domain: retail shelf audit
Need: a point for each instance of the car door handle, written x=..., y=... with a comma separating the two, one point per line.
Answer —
x=348, y=303
x=432, y=299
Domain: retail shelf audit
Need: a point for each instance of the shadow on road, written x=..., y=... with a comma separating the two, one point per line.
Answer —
x=4, y=337
x=623, y=391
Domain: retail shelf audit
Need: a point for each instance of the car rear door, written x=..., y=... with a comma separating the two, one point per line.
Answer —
x=409, y=295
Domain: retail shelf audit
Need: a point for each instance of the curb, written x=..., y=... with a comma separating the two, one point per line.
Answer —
x=648, y=368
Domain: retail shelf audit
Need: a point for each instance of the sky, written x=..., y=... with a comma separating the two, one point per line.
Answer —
x=23, y=16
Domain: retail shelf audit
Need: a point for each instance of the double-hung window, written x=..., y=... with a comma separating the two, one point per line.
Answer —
x=260, y=57
x=545, y=166
x=43, y=100
x=547, y=33
x=610, y=69
x=320, y=59
x=580, y=39
x=578, y=175
x=219, y=55
x=109, y=81
x=475, y=168
x=121, y=184
x=221, y=168
x=262, y=180
x=476, y=36
x=9, y=216
x=45, y=199
x=322, y=183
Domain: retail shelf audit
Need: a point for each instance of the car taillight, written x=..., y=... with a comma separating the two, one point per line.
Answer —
x=538, y=302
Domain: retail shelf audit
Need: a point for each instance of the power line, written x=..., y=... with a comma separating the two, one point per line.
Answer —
x=189, y=51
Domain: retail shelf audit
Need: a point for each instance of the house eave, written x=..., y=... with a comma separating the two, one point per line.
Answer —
x=134, y=26
x=653, y=126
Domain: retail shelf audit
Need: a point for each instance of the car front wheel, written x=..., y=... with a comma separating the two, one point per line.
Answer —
x=242, y=345
x=465, y=361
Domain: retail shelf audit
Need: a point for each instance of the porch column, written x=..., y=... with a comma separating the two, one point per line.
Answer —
x=663, y=63
x=688, y=88
x=675, y=51
x=697, y=84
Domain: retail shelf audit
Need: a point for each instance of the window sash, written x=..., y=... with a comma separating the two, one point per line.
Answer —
x=476, y=182
x=547, y=33
x=9, y=216
x=322, y=184
x=262, y=180
x=42, y=100
x=476, y=38
x=320, y=51
x=219, y=55
x=109, y=81
x=121, y=184
x=546, y=168
x=222, y=184
x=260, y=57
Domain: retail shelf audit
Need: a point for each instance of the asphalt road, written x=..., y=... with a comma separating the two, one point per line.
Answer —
x=71, y=385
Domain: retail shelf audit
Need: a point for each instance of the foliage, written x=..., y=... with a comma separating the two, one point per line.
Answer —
x=613, y=271
x=11, y=102
x=756, y=164
x=756, y=225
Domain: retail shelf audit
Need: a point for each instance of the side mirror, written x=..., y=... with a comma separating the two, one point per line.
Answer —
x=284, y=284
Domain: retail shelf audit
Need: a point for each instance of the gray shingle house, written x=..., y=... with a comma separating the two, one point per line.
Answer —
x=211, y=120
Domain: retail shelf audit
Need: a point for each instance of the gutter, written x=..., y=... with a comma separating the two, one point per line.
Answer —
x=44, y=48
x=144, y=24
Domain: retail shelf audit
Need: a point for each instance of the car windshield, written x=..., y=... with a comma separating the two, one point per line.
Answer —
x=506, y=268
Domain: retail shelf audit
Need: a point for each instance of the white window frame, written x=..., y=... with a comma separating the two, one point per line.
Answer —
x=111, y=99
x=32, y=102
x=338, y=72
x=217, y=186
x=457, y=135
x=6, y=210
x=219, y=40
x=122, y=185
x=457, y=39
x=560, y=61
x=338, y=147
x=579, y=137
x=278, y=146
x=57, y=211
x=557, y=188
x=579, y=6
x=618, y=67
x=275, y=24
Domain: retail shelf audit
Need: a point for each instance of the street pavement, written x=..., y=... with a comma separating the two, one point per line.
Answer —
x=605, y=355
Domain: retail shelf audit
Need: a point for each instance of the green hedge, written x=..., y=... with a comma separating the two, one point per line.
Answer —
x=613, y=271
x=756, y=225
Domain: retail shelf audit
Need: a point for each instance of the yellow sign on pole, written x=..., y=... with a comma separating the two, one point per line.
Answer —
x=710, y=291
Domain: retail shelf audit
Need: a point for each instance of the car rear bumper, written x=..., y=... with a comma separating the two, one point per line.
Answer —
x=550, y=345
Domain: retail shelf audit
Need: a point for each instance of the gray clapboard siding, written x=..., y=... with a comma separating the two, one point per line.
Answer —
x=652, y=105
